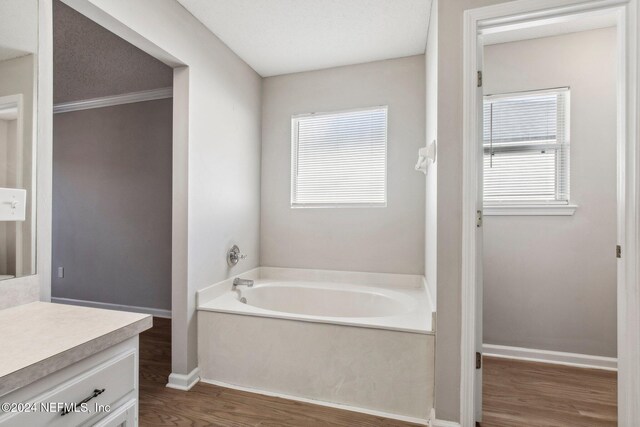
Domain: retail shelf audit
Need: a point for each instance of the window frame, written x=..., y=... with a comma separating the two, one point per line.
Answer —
x=295, y=119
x=535, y=207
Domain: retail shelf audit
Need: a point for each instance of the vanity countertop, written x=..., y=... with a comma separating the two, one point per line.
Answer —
x=40, y=338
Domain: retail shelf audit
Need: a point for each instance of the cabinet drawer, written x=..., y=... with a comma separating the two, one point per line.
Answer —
x=122, y=416
x=108, y=381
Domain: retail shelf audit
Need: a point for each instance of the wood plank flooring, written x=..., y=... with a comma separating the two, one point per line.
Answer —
x=518, y=393
x=209, y=405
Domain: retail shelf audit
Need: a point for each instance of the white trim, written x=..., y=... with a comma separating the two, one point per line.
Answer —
x=529, y=210
x=553, y=357
x=109, y=101
x=155, y=312
x=444, y=423
x=321, y=403
x=184, y=382
x=42, y=192
x=471, y=203
x=434, y=422
x=524, y=12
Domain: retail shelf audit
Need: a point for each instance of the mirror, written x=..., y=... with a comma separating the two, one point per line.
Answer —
x=18, y=124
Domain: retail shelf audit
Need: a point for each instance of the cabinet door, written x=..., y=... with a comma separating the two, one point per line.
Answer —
x=122, y=416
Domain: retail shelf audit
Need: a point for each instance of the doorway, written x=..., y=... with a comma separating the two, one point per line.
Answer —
x=112, y=170
x=549, y=224
x=480, y=23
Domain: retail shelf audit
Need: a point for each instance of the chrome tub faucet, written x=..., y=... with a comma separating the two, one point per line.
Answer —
x=242, y=282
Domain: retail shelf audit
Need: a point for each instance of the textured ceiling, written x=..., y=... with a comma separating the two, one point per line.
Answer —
x=90, y=62
x=286, y=36
x=19, y=29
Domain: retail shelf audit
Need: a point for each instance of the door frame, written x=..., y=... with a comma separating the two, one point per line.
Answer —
x=521, y=12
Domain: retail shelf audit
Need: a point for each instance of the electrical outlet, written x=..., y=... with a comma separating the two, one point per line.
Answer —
x=60, y=272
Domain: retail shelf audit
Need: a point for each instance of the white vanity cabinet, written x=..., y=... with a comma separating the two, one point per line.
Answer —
x=93, y=382
x=106, y=382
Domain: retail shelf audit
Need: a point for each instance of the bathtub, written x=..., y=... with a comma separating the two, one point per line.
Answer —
x=348, y=345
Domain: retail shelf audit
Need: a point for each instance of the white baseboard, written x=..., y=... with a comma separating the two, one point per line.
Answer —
x=155, y=312
x=554, y=357
x=184, y=382
x=321, y=403
x=444, y=423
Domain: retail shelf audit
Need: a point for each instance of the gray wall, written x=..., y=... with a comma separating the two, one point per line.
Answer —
x=112, y=170
x=448, y=256
x=112, y=204
x=550, y=281
x=89, y=61
x=216, y=150
x=390, y=239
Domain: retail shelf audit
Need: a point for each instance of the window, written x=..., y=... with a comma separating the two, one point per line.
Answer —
x=526, y=148
x=339, y=159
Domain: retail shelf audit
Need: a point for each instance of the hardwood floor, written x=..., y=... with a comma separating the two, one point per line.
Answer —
x=209, y=405
x=517, y=393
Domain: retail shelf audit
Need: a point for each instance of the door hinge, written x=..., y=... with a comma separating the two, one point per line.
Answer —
x=478, y=360
x=479, y=78
x=478, y=218
x=618, y=251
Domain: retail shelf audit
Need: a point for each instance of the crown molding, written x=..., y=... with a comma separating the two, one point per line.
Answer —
x=109, y=101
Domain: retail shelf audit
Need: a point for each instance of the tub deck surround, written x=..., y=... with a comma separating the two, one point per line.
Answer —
x=327, y=337
x=336, y=303
x=45, y=338
x=375, y=300
x=380, y=372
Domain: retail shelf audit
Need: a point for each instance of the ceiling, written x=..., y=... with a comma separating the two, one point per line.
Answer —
x=19, y=30
x=288, y=36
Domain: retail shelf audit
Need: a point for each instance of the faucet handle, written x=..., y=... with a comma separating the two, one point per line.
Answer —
x=234, y=255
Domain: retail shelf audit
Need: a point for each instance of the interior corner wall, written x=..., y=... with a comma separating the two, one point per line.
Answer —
x=385, y=240
x=546, y=276
x=223, y=145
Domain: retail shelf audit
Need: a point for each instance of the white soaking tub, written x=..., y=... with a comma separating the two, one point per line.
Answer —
x=363, y=348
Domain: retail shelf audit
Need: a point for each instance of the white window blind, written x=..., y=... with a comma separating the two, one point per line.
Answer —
x=339, y=159
x=526, y=148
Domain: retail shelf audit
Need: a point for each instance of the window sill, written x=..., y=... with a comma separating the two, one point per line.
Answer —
x=530, y=210
x=338, y=205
